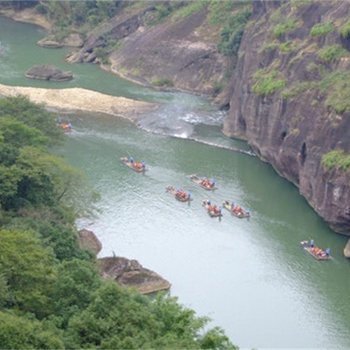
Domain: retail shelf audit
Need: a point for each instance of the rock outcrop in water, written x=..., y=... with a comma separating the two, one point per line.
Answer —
x=48, y=72
x=131, y=273
x=126, y=272
x=288, y=99
x=71, y=40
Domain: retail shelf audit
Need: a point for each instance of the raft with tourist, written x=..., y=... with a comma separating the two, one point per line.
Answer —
x=139, y=167
x=179, y=194
x=236, y=210
x=204, y=182
x=317, y=252
x=212, y=209
x=65, y=126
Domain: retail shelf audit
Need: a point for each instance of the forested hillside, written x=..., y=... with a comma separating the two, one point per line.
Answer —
x=51, y=294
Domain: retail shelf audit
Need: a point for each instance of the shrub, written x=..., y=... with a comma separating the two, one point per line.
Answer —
x=287, y=46
x=40, y=8
x=336, y=159
x=163, y=82
x=269, y=46
x=190, y=8
x=337, y=87
x=321, y=29
x=331, y=53
x=286, y=27
x=300, y=3
x=299, y=88
x=217, y=87
x=232, y=32
x=102, y=54
x=267, y=82
x=339, y=97
x=344, y=30
x=220, y=11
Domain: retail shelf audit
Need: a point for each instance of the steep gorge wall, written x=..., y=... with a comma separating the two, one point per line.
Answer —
x=284, y=111
x=180, y=53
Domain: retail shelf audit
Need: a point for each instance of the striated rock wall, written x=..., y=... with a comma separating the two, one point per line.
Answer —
x=293, y=126
x=178, y=53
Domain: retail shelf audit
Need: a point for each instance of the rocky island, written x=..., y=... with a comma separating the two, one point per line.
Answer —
x=48, y=72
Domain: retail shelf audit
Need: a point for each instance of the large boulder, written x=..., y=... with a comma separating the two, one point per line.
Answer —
x=88, y=240
x=131, y=273
x=73, y=40
x=50, y=42
x=48, y=72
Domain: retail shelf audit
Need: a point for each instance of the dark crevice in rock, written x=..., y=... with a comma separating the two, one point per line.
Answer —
x=225, y=107
x=242, y=123
x=303, y=153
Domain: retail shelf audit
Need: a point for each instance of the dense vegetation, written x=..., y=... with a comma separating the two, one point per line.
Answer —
x=51, y=294
x=336, y=159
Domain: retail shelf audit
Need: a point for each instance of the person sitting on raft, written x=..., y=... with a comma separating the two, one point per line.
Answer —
x=207, y=183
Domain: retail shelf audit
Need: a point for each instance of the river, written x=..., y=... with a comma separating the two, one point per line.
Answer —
x=249, y=276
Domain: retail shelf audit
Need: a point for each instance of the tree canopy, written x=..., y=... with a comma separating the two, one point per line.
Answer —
x=51, y=294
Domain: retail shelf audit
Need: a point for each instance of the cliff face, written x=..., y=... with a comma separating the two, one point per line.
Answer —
x=282, y=98
x=176, y=52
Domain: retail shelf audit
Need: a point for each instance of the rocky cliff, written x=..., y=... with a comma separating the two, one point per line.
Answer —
x=179, y=51
x=289, y=98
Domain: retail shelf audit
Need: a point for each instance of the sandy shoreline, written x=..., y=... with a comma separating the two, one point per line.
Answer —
x=82, y=100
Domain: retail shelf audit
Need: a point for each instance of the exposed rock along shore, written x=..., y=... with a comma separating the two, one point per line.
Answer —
x=126, y=272
x=82, y=100
x=48, y=72
x=347, y=250
x=28, y=15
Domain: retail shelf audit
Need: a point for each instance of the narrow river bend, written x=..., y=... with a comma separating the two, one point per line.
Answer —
x=250, y=277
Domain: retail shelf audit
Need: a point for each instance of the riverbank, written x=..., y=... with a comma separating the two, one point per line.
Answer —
x=81, y=100
x=28, y=15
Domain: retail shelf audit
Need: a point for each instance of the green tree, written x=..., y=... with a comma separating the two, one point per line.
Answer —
x=3, y=290
x=9, y=179
x=29, y=270
x=232, y=32
x=17, y=332
x=74, y=287
x=46, y=179
x=32, y=115
x=121, y=319
x=55, y=225
x=18, y=134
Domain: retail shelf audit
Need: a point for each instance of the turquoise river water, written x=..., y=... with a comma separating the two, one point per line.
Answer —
x=249, y=276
